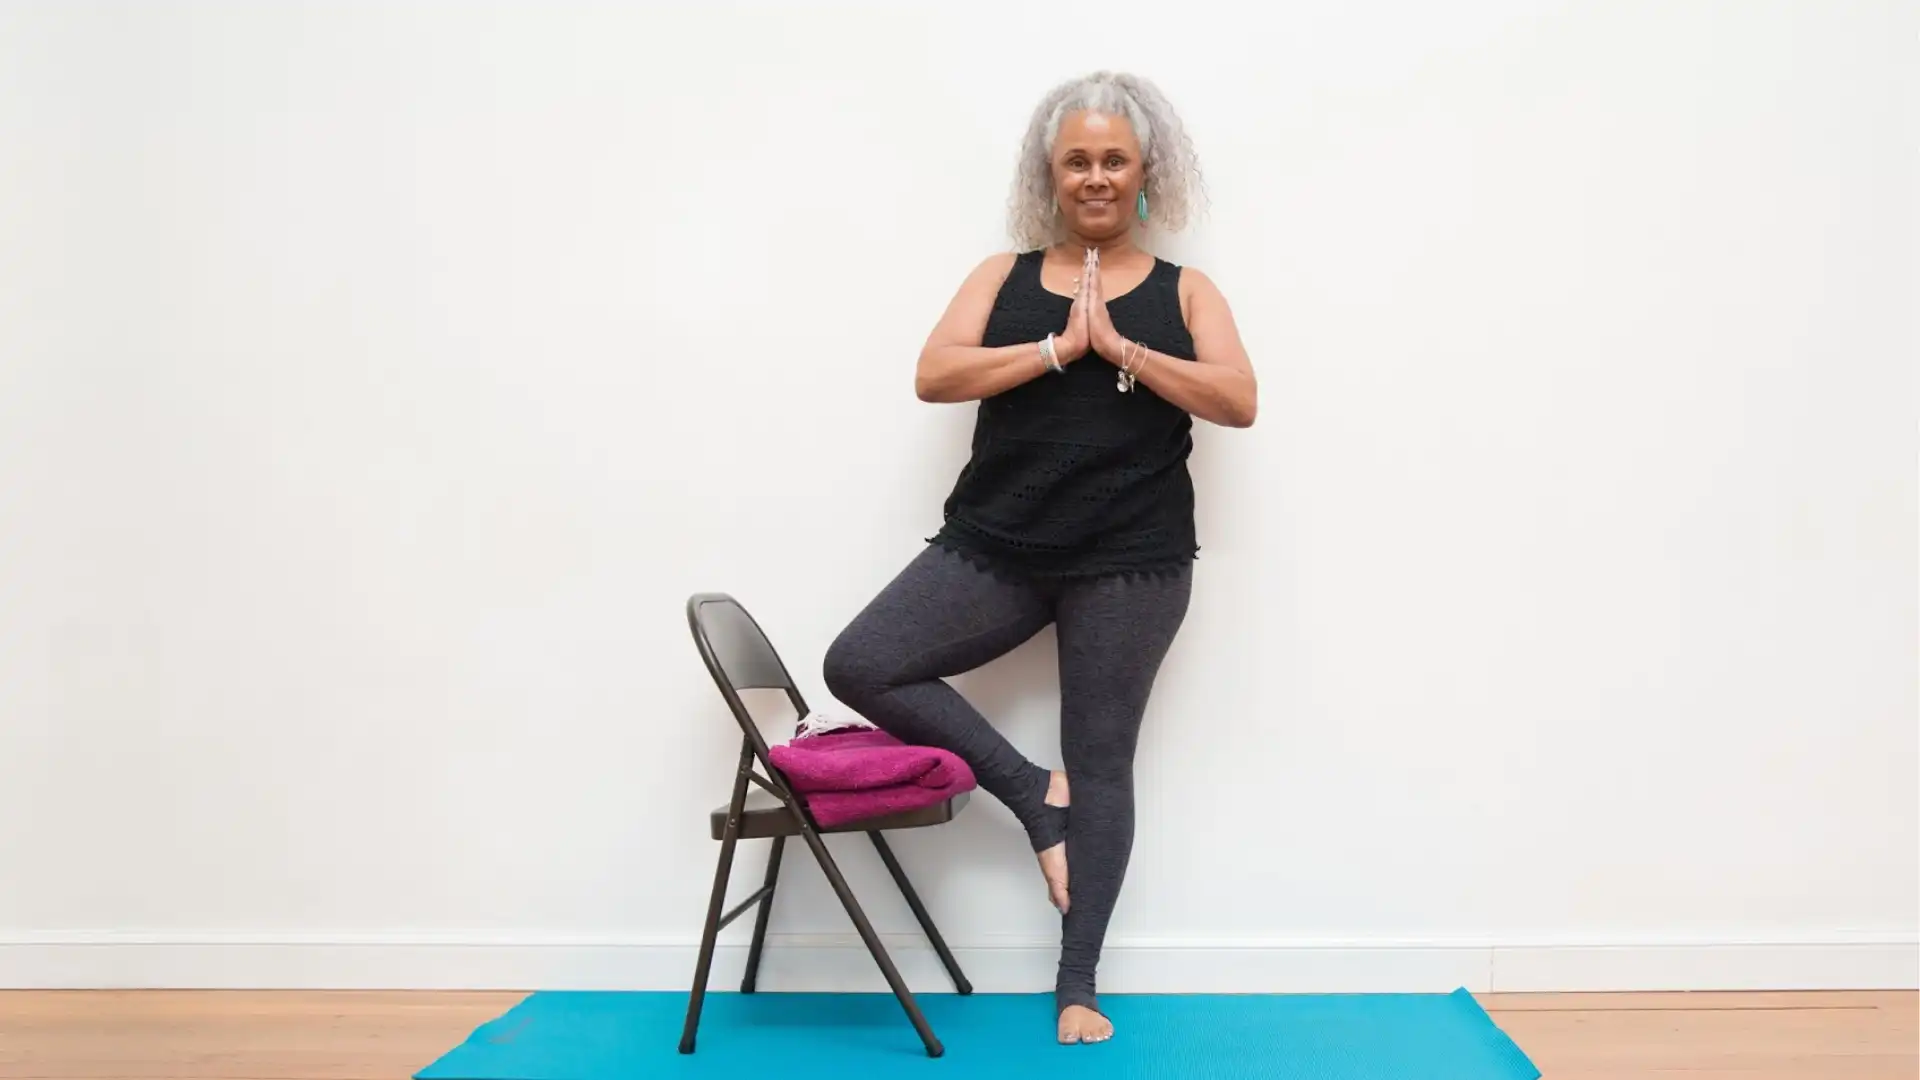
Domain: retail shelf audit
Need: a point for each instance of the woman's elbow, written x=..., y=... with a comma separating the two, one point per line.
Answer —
x=1241, y=410
x=939, y=384
x=929, y=389
x=925, y=386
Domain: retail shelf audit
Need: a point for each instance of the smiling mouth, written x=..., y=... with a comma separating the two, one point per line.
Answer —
x=1096, y=202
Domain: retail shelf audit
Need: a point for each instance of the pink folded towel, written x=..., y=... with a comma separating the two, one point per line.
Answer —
x=852, y=775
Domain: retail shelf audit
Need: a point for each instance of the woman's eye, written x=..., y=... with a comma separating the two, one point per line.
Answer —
x=1114, y=163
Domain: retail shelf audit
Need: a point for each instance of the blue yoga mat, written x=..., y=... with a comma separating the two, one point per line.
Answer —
x=616, y=1036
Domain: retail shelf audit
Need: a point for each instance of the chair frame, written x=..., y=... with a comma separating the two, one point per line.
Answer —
x=753, y=749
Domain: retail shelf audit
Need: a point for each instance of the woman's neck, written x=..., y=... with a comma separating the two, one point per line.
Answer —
x=1109, y=247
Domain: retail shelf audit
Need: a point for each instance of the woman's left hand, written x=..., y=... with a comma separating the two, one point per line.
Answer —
x=1100, y=332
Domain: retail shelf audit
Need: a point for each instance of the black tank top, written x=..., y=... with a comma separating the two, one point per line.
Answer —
x=1069, y=477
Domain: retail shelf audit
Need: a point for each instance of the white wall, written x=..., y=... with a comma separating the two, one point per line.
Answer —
x=377, y=381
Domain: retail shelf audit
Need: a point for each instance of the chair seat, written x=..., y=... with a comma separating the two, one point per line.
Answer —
x=766, y=817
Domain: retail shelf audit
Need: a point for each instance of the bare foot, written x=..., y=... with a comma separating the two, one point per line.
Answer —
x=1053, y=866
x=1079, y=1024
x=1053, y=861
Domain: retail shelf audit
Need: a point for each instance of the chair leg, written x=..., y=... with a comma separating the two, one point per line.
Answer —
x=747, y=984
x=872, y=940
x=960, y=983
x=704, y=965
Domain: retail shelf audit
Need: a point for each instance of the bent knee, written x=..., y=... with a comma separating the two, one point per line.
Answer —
x=853, y=669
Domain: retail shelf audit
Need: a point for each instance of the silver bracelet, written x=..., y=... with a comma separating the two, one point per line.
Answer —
x=1127, y=371
x=1046, y=354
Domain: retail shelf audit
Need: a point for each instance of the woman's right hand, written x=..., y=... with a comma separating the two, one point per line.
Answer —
x=1073, y=342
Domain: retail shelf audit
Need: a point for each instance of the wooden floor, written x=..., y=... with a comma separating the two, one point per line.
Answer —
x=248, y=1035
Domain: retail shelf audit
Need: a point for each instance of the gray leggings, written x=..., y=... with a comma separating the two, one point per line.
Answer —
x=943, y=616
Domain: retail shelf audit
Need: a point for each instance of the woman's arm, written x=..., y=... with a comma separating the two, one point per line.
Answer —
x=954, y=367
x=1220, y=388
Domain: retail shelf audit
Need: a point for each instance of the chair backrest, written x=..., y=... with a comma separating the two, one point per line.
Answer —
x=739, y=656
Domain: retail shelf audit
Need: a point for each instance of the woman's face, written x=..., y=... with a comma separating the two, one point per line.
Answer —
x=1097, y=173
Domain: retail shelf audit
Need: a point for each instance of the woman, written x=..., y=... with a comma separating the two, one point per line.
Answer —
x=1089, y=358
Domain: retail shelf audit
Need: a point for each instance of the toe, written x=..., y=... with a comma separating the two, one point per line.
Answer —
x=1053, y=867
x=1057, y=892
x=1079, y=1024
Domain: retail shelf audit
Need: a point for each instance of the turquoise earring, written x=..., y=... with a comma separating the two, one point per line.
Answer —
x=1143, y=206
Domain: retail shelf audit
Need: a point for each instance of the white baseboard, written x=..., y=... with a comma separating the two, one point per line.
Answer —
x=1890, y=963
x=839, y=963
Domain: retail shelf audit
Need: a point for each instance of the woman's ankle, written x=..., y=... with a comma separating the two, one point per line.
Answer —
x=1047, y=826
x=1058, y=793
x=1046, y=823
x=1063, y=996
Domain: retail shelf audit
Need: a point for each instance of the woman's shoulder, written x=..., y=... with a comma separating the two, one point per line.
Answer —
x=1007, y=260
x=1192, y=280
x=995, y=268
x=1192, y=283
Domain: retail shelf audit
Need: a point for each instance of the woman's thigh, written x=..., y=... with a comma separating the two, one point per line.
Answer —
x=939, y=617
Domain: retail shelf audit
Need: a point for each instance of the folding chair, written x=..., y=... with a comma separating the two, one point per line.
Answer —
x=740, y=657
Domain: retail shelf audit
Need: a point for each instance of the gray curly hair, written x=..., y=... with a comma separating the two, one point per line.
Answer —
x=1173, y=184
